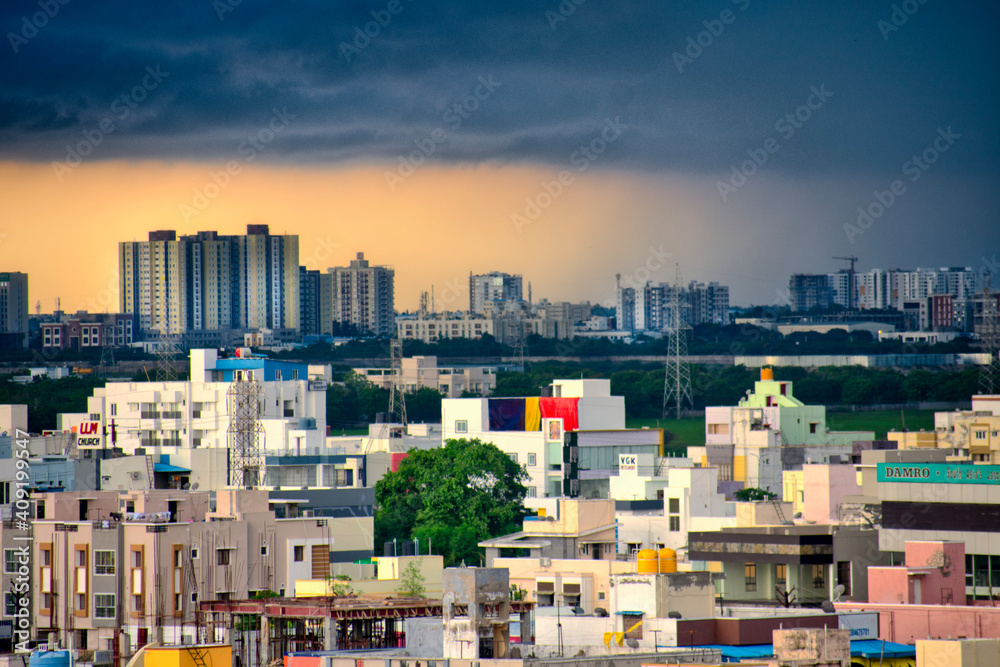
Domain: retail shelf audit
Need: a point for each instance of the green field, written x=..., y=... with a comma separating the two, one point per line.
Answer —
x=691, y=431
x=881, y=421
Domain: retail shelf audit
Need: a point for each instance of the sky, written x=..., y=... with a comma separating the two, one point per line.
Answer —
x=734, y=140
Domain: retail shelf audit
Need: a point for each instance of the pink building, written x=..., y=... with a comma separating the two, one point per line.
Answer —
x=826, y=486
x=934, y=573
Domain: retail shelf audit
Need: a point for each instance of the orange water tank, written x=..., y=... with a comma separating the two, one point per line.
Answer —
x=647, y=562
x=668, y=561
x=766, y=373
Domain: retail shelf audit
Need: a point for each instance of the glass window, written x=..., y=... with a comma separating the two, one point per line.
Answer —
x=750, y=576
x=674, y=505
x=781, y=574
x=10, y=563
x=675, y=524
x=104, y=605
x=461, y=426
x=104, y=562
x=531, y=459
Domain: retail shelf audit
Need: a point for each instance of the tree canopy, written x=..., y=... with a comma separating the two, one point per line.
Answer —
x=452, y=497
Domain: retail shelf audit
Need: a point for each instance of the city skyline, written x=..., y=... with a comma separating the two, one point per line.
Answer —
x=744, y=142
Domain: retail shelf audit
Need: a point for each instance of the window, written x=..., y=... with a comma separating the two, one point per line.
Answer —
x=718, y=429
x=461, y=426
x=980, y=435
x=600, y=595
x=812, y=427
x=194, y=553
x=263, y=550
x=532, y=492
x=513, y=456
x=844, y=576
x=104, y=562
x=819, y=576
x=674, y=505
x=298, y=554
x=750, y=576
x=9, y=604
x=10, y=563
x=222, y=557
x=531, y=459
x=675, y=524
x=781, y=574
x=104, y=604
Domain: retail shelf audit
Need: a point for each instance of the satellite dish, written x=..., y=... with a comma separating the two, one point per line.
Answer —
x=838, y=590
x=186, y=487
x=600, y=611
x=632, y=642
x=673, y=614
x=194, y=487
x=578, y=610
x=828, y=607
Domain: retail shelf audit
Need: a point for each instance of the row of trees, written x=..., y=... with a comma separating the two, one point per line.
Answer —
x=352, y=402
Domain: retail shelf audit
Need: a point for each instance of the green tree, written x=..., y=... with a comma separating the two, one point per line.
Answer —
x=452, y=497
x=753, y=493
x=411, y=581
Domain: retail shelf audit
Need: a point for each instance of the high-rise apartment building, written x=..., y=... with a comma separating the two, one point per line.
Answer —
x=808, y=291
x=13, y=309
x=493, y=286
x=209, y=282
x=315, y=302
x=650, y=307
x=362, y=296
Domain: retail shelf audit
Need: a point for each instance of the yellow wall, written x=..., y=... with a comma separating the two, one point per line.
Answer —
x=791, y=485
x=215, y=655
x=914, y=439
x=739, y=468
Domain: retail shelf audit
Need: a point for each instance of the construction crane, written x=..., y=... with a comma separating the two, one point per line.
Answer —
x=852, y=286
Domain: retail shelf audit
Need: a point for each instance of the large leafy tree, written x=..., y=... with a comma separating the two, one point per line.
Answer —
x=453, y=497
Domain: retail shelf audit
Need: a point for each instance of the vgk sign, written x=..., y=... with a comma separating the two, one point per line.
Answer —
x=89, y=435
x=628, y=462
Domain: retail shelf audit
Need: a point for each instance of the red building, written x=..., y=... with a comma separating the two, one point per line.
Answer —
x=84, y=330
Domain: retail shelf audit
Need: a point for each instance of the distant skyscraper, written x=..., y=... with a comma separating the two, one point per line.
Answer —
x=208, y=282
x=363, y=296
x=13, y=309
x=809, y=291
x=648, y=308
x=315, y=302
x=493, y=286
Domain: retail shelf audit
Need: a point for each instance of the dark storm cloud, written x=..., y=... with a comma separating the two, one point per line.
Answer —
x=228, y=66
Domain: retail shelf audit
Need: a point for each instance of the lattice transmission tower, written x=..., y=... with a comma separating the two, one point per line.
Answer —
x=677, y=381
x=397, y=397
x=246, y=432
x=166, y=348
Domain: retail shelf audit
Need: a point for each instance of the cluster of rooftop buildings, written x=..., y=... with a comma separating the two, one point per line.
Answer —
x=123, y=529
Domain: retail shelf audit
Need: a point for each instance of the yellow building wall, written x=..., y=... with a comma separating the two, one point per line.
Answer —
x=791, y=485
x=214, y=655
x=914, y=439
x=739, y=468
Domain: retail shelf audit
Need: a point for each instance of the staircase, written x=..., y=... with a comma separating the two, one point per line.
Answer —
x=149, y=471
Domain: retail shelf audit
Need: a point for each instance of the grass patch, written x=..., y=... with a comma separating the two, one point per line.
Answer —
x=688, y=432
x=881, y=421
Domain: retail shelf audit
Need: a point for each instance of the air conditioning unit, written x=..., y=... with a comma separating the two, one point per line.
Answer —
x=135, y=474
x=308, y=513
x=545, y=562
x=102, y=657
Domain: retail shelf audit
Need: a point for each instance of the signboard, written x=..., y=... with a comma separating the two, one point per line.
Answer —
x=89, y=434
x=628, y=462
x=861, y=626
x=939, y=473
